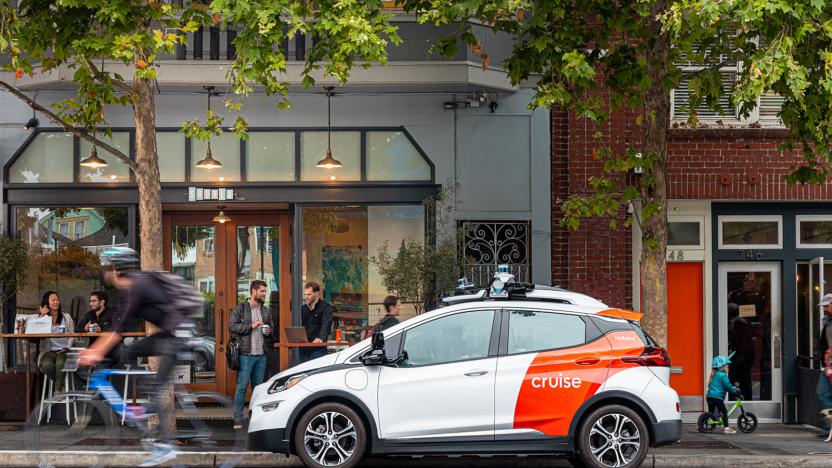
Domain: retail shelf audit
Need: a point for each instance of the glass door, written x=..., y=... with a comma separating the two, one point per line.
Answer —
x=750, y=326
x=221, y=261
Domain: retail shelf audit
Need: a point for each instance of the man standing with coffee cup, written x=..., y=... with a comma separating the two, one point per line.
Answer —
x=251, y=322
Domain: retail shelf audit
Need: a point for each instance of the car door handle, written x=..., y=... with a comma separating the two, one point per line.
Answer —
x=476, y=373
x=587, y=361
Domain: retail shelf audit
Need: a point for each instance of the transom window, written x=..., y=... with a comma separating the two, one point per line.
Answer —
x=270, y=156
x=751, y=232
x=814, y=231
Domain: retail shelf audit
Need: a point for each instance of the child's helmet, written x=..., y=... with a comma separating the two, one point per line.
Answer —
x=719, y=361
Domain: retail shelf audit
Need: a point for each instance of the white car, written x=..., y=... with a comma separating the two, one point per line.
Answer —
x=539, y=371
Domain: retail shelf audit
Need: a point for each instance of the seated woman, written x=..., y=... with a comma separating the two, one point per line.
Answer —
x=52, y=362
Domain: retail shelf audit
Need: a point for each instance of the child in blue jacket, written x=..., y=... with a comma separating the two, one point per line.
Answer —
x=718, y=386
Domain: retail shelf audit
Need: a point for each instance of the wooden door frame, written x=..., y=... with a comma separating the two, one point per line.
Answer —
x=225, y=276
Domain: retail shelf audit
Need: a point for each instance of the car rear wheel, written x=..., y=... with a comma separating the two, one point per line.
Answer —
x=613, y=436
x=331, y=435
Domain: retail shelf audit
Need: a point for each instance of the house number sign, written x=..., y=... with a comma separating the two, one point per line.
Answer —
x=750, y=254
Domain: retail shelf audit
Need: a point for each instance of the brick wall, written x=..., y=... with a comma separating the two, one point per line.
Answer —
x=703, y=164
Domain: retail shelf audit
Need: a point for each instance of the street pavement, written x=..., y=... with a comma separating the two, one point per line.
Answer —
x=771, y=445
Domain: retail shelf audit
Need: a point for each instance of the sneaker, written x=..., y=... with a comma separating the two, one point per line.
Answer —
x=728, y=430
x=161, y=453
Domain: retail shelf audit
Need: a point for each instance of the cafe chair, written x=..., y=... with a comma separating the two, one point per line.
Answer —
x=47, y=395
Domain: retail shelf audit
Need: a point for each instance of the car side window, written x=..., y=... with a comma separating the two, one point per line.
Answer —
x=531, y=330
x=458, y=337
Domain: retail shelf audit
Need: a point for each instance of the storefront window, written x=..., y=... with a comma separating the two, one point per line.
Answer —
x=48, y=159
x=64, y=246
x=346, y=147
x=225, y=149
x=170, y=147
x=270, y=157
x=338, y=242
x=809, y=292
x=392, y=156
x=750, y=231
x=116, y=170
x=814, y=231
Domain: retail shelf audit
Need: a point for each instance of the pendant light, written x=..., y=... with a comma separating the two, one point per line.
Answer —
x=93, y=161
x=221, y=217
x=208, y=162
x=329, y=162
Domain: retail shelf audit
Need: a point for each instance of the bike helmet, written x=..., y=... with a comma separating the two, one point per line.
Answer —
x=720, y=361
x=120, y=259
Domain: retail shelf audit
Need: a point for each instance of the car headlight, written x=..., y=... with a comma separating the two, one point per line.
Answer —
x=285, y=383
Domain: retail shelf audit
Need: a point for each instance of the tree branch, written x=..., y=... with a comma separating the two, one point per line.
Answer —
x=69, y=127
x=116, y=82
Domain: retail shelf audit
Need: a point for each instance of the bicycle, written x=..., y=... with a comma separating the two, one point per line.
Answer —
x=103, y=423
x=746, y=421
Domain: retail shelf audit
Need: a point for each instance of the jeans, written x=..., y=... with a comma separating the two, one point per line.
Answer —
x=252, y=369
x=310, y=353
x=824, y=392
x=52, y=365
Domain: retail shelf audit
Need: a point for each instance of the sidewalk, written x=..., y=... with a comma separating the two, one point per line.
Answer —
x=770, y=445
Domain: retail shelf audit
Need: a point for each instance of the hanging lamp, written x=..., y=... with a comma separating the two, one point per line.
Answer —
x=221, y=218
x=329, y=162
x=208, y=162
x=93, y=161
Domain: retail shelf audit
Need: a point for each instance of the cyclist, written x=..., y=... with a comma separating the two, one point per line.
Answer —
x=718, y=385
x=145, y=301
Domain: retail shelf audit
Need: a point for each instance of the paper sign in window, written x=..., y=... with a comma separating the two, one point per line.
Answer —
x=748, y=310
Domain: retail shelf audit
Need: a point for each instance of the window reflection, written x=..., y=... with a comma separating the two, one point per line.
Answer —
x=64, y=246
x=338, y=242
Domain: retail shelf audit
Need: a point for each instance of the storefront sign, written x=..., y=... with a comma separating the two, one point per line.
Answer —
x=210, y=194
x=748, y=310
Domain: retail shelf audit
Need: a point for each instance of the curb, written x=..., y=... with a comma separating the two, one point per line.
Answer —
x=22, y=458
x=756, y=461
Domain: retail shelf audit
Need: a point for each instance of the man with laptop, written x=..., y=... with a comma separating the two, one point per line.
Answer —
x=316, y=318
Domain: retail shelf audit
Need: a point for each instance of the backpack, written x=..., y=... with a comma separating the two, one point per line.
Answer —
x=182, y=298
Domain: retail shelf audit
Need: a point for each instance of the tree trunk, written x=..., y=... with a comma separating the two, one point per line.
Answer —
x=150, y=208
x=653, y=267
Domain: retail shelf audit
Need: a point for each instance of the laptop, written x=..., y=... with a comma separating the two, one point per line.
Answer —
x=296, y=335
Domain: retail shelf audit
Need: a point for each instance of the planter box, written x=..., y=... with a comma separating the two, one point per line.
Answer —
x=13, y=389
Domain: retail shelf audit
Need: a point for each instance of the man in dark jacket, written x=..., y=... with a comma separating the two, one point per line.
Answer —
x=316, y=317
x=251, y=322
x=99, y=318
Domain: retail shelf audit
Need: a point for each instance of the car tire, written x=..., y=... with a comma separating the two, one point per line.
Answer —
x=330, y=435
x=201, y=363
x=613, y=436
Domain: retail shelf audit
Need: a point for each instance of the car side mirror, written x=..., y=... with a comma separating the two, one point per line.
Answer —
x=376, y=356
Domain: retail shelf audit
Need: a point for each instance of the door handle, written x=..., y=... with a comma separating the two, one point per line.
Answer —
x=476, y=373
x=222, y=329
x=587, y=361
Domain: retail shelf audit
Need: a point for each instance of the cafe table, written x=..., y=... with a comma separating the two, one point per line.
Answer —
x=36, y=338
x=327, y=344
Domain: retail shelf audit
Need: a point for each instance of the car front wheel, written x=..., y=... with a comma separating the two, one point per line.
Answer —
x=613, y=436
x=331, y=435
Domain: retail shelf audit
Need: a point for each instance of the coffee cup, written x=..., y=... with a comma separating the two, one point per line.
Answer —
x=267, y=330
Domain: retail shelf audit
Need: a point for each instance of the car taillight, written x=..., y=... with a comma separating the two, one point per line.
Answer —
x=652, y=356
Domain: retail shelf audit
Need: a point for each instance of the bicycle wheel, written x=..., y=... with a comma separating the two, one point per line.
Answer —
x=204, y=424
x=93, y=433
x=704, y=425
x=747, y=423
